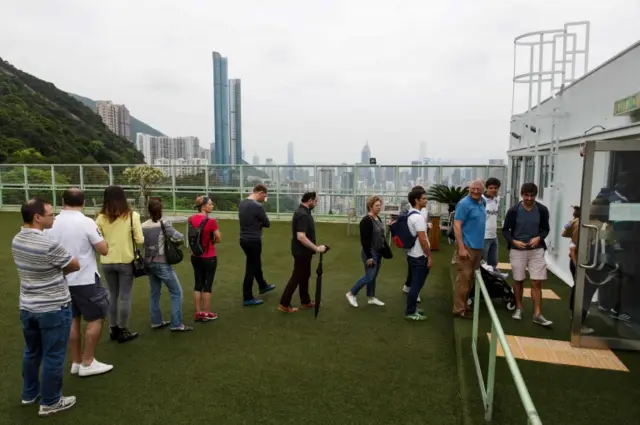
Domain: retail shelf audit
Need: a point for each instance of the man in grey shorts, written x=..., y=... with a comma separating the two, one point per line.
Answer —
x=89, y=300
x=525, y=229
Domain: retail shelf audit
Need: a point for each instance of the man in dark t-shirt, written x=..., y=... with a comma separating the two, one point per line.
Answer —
x=303, y=246
x=253, y=218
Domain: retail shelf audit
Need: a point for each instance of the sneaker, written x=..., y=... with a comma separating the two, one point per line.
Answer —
x=114, y=333
x=32, y=401
x=210, y=316
x=75, y=368
x=267, y=289
x=352, y=299
x=375, y=301
x=63, y=403
x=126, y=335
x=182, y=328
x=95, y=368
x=308, y=305
x=286, y=309
x=540, y=320
x=164, y=324
x=585, y=330
x=200, y=317
x=517, y=315
x=415, y=317
x=405, y=289
x=255, y=301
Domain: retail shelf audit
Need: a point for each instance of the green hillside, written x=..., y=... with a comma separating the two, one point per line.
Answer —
x=42, y=124
x=137, y=126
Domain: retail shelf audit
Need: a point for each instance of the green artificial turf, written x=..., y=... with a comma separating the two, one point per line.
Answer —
x=564, y=395
x=257, y=366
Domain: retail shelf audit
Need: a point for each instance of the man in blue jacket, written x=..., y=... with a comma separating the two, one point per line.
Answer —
x=525, y=229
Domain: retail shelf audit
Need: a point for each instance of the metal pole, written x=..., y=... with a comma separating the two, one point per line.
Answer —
x=491, y=374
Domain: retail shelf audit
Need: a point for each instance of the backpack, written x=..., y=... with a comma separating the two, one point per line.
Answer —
x=400, y=233
x=194, y=236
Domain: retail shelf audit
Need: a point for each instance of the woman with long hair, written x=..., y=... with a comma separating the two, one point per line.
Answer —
x=372, y=239
x=158, y=270
x=205, y=262
x=117, y=222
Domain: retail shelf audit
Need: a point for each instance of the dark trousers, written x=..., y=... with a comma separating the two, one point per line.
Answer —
x=419, y=273
x=204, y=271
x=407, y=281
x=589, y=291
x=253, y=267
x=299, y=278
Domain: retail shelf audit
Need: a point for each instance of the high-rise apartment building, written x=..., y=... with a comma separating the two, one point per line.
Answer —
x=227, y=114
x=180, y=151
x=115, y=117
x=326, y=188
x=235, y=121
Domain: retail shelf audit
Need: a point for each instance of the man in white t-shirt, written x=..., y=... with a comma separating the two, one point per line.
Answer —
x=490, y=252
x=424, y=212
x=419, y=255
x=79, y=235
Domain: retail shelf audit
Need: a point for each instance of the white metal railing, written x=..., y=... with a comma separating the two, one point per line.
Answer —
x=340, y=187
x=497, y=334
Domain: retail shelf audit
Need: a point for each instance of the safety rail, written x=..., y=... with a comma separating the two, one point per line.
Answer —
x=497, y=333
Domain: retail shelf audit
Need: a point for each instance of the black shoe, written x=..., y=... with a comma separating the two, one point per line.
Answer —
x=126, y=335
x=114, y=333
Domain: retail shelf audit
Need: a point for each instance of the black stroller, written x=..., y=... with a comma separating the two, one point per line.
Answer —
x=497, y=287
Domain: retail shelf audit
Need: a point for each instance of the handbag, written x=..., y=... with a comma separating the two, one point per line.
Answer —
x=138, y=264
x=172, y=251
x=385, y=251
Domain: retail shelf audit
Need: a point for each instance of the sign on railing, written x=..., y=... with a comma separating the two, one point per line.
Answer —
x=497, y=334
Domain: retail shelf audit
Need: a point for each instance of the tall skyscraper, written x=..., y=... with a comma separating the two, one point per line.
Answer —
x=115, y=117
x=290, y=163
x=221, y=109
x=235, y=121
x=365, y=156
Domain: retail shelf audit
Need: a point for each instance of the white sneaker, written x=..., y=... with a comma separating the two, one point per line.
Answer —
x=585, y=330
x=405, y=289
x=352, y=299
x=517, y=314
x=30, y=402
x=375, y=301
x=63, y=404
x=542, y=321
x=75, y=368
x=95, y=368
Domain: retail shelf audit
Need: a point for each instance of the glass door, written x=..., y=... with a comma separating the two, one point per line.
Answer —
x=607, y=289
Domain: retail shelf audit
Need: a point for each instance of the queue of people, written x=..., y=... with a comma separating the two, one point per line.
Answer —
x=61, y=284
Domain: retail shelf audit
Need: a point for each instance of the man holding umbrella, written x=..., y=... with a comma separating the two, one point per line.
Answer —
x=303, y=247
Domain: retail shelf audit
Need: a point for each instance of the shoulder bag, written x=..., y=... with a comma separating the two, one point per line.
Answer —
x=172, y=251
x=138, y=264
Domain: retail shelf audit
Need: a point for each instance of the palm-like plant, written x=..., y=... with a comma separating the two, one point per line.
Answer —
x=447, y=195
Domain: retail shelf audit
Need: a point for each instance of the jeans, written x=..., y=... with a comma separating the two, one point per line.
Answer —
x=299, y=279
x=419, y=273
x=490, y=253
x=119, y=279
x=158, y=273
x=253, y=267
x=370, y=275
x=46, y=336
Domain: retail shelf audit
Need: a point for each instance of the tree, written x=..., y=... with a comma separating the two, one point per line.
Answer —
x=447, y=195
x=145, y=177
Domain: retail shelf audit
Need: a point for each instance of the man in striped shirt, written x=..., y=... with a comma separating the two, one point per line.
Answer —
x=45, y=307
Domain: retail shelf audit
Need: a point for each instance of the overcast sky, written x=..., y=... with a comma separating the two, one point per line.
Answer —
x=325, y=74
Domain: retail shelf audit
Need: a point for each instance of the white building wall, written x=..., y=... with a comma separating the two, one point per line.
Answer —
x=588, y=102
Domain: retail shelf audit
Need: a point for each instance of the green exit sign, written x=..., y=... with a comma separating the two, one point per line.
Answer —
x=627, y=105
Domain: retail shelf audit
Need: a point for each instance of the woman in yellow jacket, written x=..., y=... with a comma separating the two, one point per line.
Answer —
x=116, y=222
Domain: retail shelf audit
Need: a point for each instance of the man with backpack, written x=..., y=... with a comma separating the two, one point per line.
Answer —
x=409, y=232
x=469, y=226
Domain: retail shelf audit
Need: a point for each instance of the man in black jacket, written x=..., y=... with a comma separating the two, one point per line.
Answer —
x=253, y=218
x=525, y=229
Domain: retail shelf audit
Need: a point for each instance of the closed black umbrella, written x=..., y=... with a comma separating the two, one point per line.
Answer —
x=319, y=272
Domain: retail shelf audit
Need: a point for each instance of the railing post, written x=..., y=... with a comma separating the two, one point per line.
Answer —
x=491, y=373
x=241, y=181
x=26, y=183
x=278, y=192
x=110, y=175
x=476, y=311
x=81, y=177
x=53, y=187
x=173, y=189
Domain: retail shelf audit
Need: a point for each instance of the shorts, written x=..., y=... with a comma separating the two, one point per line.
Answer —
x=89, y=301
x=532, y=259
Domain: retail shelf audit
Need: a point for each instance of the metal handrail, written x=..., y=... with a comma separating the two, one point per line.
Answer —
x=497, y=334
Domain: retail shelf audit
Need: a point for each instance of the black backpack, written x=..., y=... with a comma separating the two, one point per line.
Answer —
x=194, y=236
